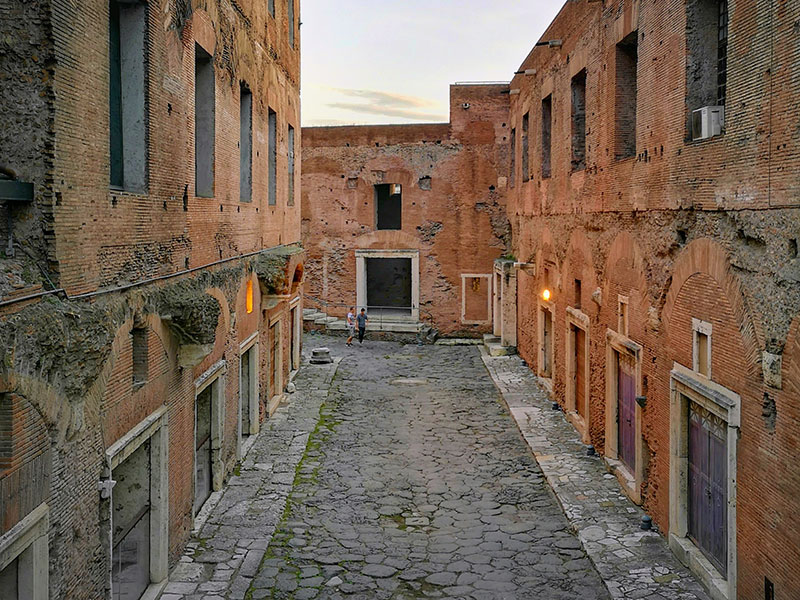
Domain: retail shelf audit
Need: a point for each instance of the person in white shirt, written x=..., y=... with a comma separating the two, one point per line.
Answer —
x=351, y=325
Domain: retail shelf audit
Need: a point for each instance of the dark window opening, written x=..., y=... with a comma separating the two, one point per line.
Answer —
x=627, y=56
x=271, y=8
x=547, y=123
x=525, y=156
x=203, y=123
x=579, y=121
x=513, y=168
x=139, y=353
x=290, y=201
x=292, y=25
x=388, y=206
x=126, y=91
x=706, y=56
x=272, y=157
x=245, y=144
x=577, y=293
x=769, y=589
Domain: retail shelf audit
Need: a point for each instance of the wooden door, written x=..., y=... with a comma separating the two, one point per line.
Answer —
x=626, y=410
x=580, y=372
x=202, y=455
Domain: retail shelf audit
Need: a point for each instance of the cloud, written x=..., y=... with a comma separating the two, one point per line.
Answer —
x=387, y=98
x=388, y=111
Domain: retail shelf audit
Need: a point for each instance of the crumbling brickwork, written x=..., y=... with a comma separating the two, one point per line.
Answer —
x=684, y=231
x=453, y=202
x=121, y=300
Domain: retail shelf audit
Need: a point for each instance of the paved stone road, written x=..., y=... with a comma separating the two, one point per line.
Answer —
x=416, y=484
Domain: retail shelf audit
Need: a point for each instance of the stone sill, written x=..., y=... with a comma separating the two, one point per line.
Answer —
x=690, y=555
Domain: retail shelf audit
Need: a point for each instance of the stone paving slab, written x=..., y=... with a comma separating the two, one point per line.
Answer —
x=633, y=563
x=224, y=554
x=416, y=484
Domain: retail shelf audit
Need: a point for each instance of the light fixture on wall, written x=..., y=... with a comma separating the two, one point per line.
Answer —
x=546, y=295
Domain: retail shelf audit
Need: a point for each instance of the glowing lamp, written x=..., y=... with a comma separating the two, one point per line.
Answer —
x=249, y=300
x=546, y=294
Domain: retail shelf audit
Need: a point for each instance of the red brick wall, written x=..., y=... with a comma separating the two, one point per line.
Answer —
x=458, y=224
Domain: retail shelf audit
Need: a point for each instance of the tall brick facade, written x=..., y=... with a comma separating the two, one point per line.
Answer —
x=453, y=207
x=122, y=297
x=676, y=246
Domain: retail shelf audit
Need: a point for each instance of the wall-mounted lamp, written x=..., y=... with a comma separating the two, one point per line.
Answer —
x=550, y=43
x=546, y=295
x=526, y=72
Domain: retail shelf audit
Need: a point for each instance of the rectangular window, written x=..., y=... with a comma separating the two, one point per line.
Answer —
x=272, y=157
x=140, y=355
x=292, y=26
x=291, y=166
x=525, y=156
x=271, y=8
x=547, y=123
x=513, y=168
x=203, y=123
x=577, y=302
x=126, y=89
x=707, y=53
x=389, y=206
x=579, y=121
x=622, y=315
x=245, y=144
x=627, y=56
x=701, y=351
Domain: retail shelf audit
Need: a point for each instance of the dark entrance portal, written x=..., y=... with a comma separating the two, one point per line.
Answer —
x=389, y=285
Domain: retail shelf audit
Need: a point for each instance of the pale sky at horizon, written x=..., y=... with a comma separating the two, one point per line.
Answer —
x=389, y=61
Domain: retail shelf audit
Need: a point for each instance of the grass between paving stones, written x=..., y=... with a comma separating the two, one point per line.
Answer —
x=202, y=544
x=278, y=547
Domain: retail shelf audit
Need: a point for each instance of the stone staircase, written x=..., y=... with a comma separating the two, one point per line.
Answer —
x=495, y=348
x=312, y=315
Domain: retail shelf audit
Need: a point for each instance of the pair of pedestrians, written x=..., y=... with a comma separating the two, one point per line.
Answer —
x=354, y=321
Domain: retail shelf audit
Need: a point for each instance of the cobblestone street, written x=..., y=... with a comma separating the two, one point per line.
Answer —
x=398, y=472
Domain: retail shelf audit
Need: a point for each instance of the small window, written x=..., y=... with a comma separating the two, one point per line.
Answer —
x=203, y=123
x=290, y=201
x=547, y=124
x=706, y=53
x=140, y=355
x=701, y=351
x=525, y=156
x=272, y=157
x=388, y=206
x=512, y=171
x=579, y=121
x=271, y=8
x=627, y=56
x=577, y=300
x=127, y=117
x=622, y=315
x=292, y=25
x=245, y=144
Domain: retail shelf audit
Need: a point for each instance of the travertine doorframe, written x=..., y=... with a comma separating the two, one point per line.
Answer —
x=27, y=543
x=251, y=345
x=616, y=345
x=687, y=385
x=576, y=319
x=361, y=275
x=214, y=376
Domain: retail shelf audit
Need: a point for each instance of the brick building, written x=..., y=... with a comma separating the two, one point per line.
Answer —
x=410, y=217
x=151, y=274
x=658, y=280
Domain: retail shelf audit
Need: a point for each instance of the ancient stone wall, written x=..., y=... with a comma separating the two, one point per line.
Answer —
x=684, y=229
x=453, y=202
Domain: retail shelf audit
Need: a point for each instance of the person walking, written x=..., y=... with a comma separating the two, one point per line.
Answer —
x=351, y=325
x=361, y=320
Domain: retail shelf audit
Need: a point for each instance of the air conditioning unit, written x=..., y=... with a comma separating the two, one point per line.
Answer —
x=707, y=122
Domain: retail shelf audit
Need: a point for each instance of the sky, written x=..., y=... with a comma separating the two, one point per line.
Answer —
x=391, y=61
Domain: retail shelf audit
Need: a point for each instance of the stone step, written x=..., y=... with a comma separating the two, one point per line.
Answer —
x=323, y=320
x=497, y=349
x=312, y=315
x=490, y=338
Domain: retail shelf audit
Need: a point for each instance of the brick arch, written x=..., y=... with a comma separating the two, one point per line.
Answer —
x=705, y=256
x=579, y=252
x=625, y=251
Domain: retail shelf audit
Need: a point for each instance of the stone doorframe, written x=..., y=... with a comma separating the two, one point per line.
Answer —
x=542, y=307
x=578, y=320
x=278, y=396
x=497, y=302
x=27, y=543
x=505, y=302
x=155, y=429
x=294, y=305
x=252, y=408
x=464, y=277
x=687, y=385
x=214, y=376
x=616, y=345
x=361, y=275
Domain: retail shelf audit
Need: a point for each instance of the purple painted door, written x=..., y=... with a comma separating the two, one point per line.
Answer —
x=626, y=411
x=708, y=487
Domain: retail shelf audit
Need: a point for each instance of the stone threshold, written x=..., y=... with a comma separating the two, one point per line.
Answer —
x=632, y=563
